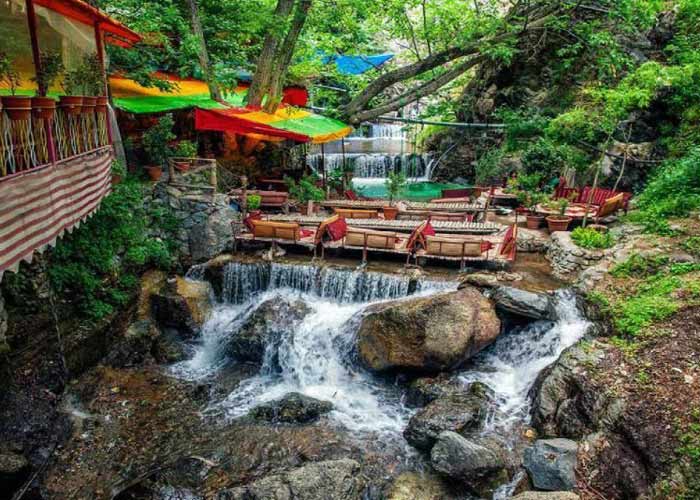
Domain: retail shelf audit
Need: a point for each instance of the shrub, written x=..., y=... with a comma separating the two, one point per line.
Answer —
x=592, y=239
x=305, y=190
x=185, y=149
x=253, y=201
x=544, y=158
x=639, y=266
x=395, y=183
x=97, y=263
x=692, y=245
x=157, y=138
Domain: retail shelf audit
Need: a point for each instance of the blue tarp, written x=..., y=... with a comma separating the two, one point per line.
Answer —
x=356, y=65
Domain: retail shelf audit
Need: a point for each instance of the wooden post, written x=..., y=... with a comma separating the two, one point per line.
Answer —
x=100, y=48
x=323, y=167
x=345, y=179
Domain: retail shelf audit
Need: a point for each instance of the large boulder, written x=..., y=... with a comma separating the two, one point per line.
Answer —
x=521, y=303
x=422, y=486
x=478, y=462
x=424, y=390
x=460, y=413
x=333, y=479
x=184, y=305
x=292, y=408
x=266, y=326
x=551, y=464
x=427, y=334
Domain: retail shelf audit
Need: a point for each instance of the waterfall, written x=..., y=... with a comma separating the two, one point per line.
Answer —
x=373, y=165
x=511, y=365
x=316, y=357
x=242, y=281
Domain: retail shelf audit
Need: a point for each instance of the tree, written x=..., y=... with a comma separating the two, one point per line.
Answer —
x=276, y=55
x=203, y=53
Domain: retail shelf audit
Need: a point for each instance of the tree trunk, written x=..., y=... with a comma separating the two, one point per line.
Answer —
x=203, y=53
x=263, y=72
x=284, y=56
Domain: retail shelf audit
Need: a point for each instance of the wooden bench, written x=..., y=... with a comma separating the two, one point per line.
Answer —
x=354, y=213
x=276, y=230
x=367, y=238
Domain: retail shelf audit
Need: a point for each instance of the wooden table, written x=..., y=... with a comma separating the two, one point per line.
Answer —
x=576, y=211
x=396, y=225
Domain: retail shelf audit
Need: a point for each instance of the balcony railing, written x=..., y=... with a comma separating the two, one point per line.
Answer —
x=31, y=142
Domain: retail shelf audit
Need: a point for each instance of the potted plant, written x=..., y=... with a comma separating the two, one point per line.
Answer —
x=16, y=107
x=306, y=193
x=395, y=183
x=51, y=66
x=118, y=171
x=72, y=102
x=184, y=153
x=253, y=202
x=561, y=221
x=530, y=200
x=155, y=144
x=93, y=83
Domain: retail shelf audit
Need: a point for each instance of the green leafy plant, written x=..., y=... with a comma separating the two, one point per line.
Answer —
x=8, y=73
x=560, y=205
x=86, y=79
x=305, y=190
x=395, y=183
x=692, y=245
x=592, y=239
x=97, y=264
x=51, y=69
x=118, y=168
x=638, y=265
x=156, y=140
x=253, y=201
x=185, y=149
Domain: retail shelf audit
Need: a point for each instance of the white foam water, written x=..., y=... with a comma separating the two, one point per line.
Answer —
x=511, y=365
x=316, y=356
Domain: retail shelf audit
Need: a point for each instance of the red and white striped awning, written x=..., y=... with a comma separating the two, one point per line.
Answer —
x=40, y=206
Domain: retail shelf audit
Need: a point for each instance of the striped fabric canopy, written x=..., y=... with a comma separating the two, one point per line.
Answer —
x=289, y=122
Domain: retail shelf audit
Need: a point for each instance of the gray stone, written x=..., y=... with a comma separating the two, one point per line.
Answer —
x=292, y=408
x=462, y=458
x=522, y=303
x=461, y=413
x=547, y=495
x=551, y=464
x=427, y=334
x=425, y=390
x=480, y=280
x=329, y=480
x=4, y=347
x=265, y=328
x=13, y=470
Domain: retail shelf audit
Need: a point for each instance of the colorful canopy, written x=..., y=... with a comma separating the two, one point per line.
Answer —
x=356, y=65
x=132, y=97
x=287, y=123
x=115, y=32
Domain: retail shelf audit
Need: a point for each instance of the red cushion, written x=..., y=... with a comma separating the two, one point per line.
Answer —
x=337, y=229
x=428, y=230
x=248, y=221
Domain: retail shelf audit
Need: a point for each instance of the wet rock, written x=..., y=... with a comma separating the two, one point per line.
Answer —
x=459, y=413
x=425, y=390
x=4, y=347
x=135, y=347
x=478, y=462
x=420, y=486
x=152, y=282
x=168, y=347
x=14, y=469
x=546, y=495
x=480, y=280
x=198, y=295
x=292, y=408
x=428, y=333
x=333, y=479
x=522, y=303
x=270, y=322
x=551, y=464
x=183, y=305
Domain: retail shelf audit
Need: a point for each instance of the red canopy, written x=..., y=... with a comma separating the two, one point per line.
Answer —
x=115, y=32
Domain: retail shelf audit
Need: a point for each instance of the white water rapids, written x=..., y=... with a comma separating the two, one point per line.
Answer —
x=316, y=357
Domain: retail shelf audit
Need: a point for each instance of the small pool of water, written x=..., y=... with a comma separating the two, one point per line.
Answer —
x=416, y=191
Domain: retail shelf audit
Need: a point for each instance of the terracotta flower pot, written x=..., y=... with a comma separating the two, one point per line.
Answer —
x=70, y=104
x=534, y=221
x=89, y=104
x=101, y=104
x=154, y=172
x=390, y=213
x=43, y=107
x=116, y=179
x=182, y=166
x=558, y=223
x=17, y=107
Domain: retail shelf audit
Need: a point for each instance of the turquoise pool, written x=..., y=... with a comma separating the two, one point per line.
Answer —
x=419, y=191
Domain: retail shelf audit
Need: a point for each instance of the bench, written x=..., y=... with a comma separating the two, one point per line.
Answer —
x=367, y=238
x=354, y=213
x=276, y=230
x=268, y=199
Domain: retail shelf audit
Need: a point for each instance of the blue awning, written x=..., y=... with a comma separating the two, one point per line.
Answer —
x=356, y=65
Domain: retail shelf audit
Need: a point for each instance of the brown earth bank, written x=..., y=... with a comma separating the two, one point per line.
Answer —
x=634, y=409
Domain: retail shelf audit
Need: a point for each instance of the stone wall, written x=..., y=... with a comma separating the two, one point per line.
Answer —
x=568, y=259
x=205, y=228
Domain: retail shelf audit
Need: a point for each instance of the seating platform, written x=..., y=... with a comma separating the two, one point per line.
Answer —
x=407, y=205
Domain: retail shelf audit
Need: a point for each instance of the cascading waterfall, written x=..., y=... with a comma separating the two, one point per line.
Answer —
x=511, y=365
x=315, y=357
x=373, y=165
